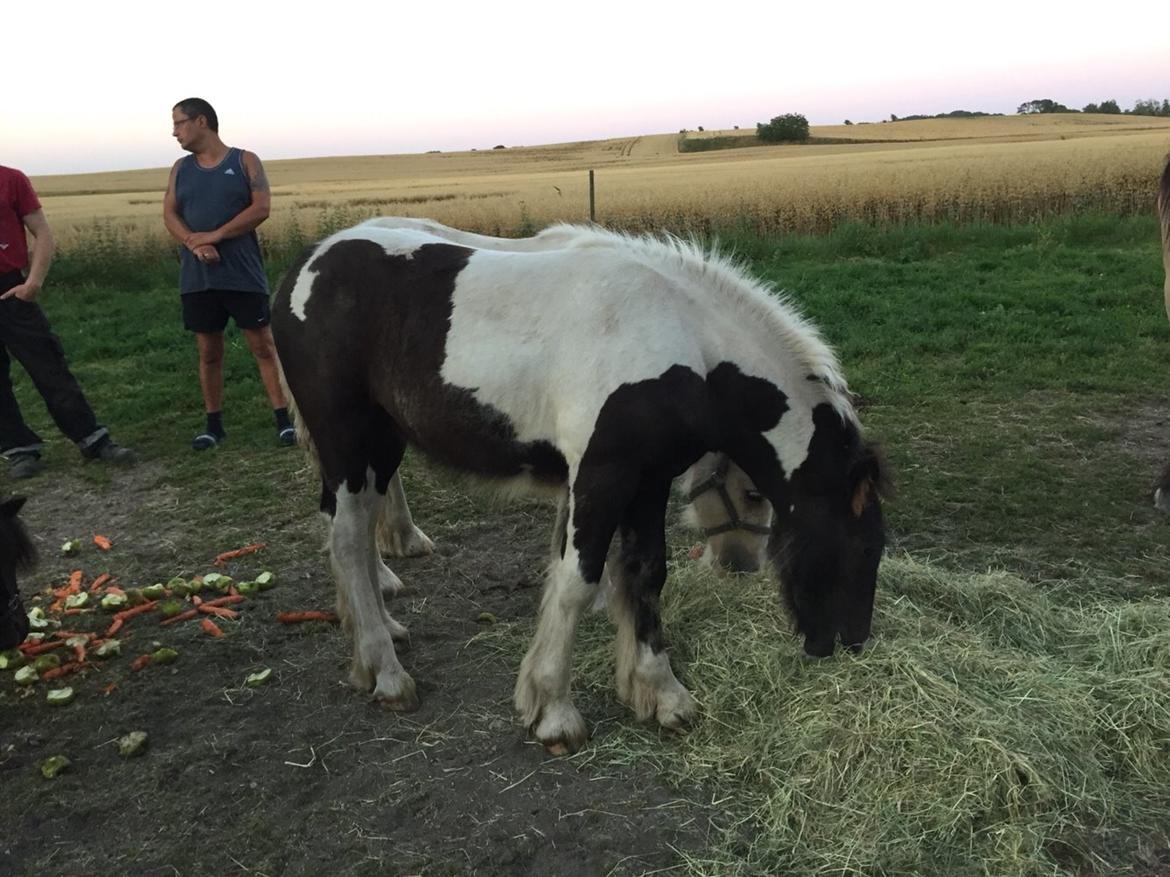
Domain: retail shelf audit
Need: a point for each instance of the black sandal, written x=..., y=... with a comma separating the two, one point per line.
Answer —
x=205, y=440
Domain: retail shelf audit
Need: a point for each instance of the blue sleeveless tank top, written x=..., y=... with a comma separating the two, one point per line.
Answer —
x=206, y=198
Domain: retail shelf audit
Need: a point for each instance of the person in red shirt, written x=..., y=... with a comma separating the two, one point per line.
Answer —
x=25, y=335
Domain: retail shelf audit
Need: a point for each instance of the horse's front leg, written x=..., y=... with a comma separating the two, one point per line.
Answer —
x=542, y=694
x=397, y=534
x=645, y=681
x=375, y=666
x=542, y=689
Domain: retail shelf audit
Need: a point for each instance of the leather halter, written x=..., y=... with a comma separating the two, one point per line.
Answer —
x=718, y=482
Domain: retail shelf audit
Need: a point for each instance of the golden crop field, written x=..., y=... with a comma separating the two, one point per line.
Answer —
x=993, y=169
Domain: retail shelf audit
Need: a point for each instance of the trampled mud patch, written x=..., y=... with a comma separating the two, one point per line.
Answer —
x=305, y=775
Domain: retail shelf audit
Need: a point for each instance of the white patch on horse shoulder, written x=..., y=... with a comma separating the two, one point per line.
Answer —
x=791, y=438
x=302, y=290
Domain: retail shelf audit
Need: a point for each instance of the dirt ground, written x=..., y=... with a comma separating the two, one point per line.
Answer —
x=304, y=775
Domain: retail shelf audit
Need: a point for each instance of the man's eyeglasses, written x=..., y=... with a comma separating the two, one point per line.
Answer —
x=179, y=122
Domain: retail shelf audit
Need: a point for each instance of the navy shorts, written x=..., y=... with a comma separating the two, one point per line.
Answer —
x=208, y=311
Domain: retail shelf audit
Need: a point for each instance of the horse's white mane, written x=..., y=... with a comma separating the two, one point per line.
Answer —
x=760, y=301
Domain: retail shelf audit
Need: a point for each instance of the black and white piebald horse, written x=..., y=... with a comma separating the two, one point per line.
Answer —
x=606, y=366
x=16, y=553
x=722, y=503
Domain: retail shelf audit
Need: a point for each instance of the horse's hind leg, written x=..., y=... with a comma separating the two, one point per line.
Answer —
x=359, y=451
x=375, y=663
x=388, y=583
x=397, y=534
x=644, y=679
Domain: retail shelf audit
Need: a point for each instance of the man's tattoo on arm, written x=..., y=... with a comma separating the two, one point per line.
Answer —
x=259, y=179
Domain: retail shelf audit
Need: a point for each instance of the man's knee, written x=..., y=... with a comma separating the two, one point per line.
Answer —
x=210, y=348
x=260, y=342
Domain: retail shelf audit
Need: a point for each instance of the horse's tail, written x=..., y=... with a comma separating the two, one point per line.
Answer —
x=303, y=438
x=1164, y=220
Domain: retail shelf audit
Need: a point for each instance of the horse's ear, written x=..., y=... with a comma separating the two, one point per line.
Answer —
x=12, y=506
x=868, y=478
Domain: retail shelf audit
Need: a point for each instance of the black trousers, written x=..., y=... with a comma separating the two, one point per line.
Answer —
x=27, y=337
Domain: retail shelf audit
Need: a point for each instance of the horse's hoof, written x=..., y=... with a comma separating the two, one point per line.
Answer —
x=678, y=717
x=561, y=730
x=399, y=696
x=414, y=543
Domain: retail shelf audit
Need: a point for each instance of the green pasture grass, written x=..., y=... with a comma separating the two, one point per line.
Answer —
x=991, y=727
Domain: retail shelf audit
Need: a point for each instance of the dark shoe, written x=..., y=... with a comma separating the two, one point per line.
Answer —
x=206, y=440
x=24, y=465
x=287, y=436
x=110, y=451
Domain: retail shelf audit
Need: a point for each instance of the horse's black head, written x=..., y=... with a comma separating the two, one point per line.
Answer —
x=827, y=543
x=16, y=552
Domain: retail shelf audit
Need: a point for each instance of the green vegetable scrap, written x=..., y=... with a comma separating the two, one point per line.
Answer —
x=53, y=765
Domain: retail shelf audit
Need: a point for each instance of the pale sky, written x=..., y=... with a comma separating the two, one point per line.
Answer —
x=90, y=86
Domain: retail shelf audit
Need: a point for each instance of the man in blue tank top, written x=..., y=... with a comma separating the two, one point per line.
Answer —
x=216, y=198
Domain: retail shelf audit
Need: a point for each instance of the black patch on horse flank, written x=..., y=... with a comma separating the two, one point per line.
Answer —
x=367, y=361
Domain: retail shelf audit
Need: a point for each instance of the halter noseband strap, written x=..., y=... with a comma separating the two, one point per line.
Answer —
x=718, y=482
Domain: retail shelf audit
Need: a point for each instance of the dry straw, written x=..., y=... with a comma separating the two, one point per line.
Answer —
x=993, y=726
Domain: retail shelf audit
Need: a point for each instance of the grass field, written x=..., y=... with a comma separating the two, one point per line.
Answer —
x=996, y=169
x=1013, y=714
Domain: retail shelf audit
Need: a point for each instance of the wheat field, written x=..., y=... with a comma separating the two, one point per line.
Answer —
x=1013, y=168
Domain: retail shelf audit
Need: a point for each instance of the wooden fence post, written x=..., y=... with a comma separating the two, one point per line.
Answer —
x=592, y=201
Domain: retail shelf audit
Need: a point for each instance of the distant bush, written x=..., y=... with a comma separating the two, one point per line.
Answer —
x=789, y=127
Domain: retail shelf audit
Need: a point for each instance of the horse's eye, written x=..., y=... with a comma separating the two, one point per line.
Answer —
x=753, y=497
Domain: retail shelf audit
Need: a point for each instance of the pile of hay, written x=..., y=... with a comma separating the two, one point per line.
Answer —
x=992, y=726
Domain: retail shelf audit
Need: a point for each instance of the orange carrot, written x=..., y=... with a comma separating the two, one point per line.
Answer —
x=141, y=662
x=75, y=578
x=79, y=653
x=36, y=649
x=110, y=689
x=63, y=670
x=99, y=581
x=102, y=542
x=218, y=611
x=69, y=634
x=114, y=628
x=226, y=601
x=211, y=627
x=76, y=611
x=221, y=559
x=298, y=617
x=127, y=614
x=182, y=616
